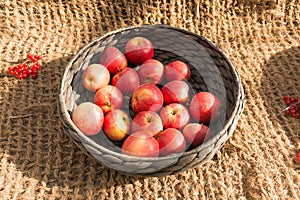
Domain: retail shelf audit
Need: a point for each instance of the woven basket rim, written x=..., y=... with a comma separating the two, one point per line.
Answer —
x=67, y=117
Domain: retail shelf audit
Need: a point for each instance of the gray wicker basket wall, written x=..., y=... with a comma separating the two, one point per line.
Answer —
x=210, y=71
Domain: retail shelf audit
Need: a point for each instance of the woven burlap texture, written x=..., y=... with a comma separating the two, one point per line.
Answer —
x=39, y=161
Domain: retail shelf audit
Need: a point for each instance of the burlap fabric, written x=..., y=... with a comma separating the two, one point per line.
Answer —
x=39, y=161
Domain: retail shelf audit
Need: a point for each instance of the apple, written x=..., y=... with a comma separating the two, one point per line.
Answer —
x=126, y=80
x=147, y=97
x=151, y=71
x=175, y=92
x=171, y=141
x=109, y=98
x=205, y=107
x=147, y=121
x=140, y=144
x=113, y=59
x=116, y=125
x=138, y=50
x=177, y=70
x=174, y=115
x=195, y=133
x=95, y=76
x=88, y=118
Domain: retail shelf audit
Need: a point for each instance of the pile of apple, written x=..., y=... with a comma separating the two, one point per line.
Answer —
x=166, y=119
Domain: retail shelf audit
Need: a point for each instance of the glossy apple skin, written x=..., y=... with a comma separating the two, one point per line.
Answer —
x=95, y=76
x=126, y=80
x=175, y=92
x=116, y=125
x=113, y=59
x=195, y=133
x=109, y=98
x=140, y=144
x=174, y=115
x=205, y=107
x=147, y=121
x=138, y=50
x=88, y=118
x=177, y=70
x=147, y=97
x=171, y=141
x=151, y=71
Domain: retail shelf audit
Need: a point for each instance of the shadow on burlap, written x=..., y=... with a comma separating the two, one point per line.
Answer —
x=38, y=160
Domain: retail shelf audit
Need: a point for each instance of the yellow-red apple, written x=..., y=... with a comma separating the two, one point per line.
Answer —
x=147, y=121
x=147, y=97
x=177, y=70
x=95, y=76
x=126, y=80
x=171, y=141
x=151, y=71
x=205, y=107
x=174, y=115
x=116, y=125
x=88, y=118
x=140, y=144
x=195, y=133
x=109, y=98
x=175, y=92
x=138, y=50
x=113, y=59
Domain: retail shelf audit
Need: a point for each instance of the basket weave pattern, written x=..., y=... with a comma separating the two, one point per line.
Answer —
x=210, y=71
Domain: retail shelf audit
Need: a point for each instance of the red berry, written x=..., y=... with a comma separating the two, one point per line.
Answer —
x=292, y=111
x=31, y=57
x=35, y=66
x=33, y=76
x=38, y=57
x=287, y=112
x=34, y=71
x=29, y=71
x=19, y=69
x=10, y=70
x=24, y=75
x=298, y=157
x=293, y=99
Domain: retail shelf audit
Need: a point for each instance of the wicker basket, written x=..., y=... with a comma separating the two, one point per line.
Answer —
x=210, y=71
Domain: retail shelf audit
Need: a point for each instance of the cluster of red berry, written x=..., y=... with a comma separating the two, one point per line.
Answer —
x=24, y=70
x=293, y=108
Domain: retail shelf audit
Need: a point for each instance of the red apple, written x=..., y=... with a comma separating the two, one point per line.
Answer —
x=116, y=125
x=95, y=76
x=177, y=70
x=140, y=144
x=147, y=97
x=205, y=107
x=109, y=98
x=147, y=121
x=174, y=115
x=195, y=133
x=126, y=80
x=88, y=118
x=113, y=59
x=175, y=92
x=151, y=71
x=171, y=141
x=138, y=50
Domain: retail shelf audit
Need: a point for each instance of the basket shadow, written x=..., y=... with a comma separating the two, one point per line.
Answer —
x=50, y=156
x=281, y=77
